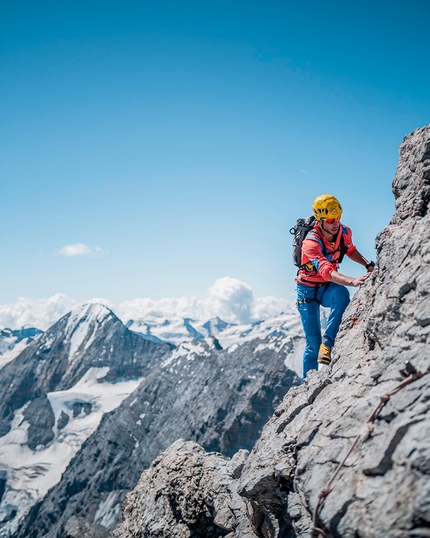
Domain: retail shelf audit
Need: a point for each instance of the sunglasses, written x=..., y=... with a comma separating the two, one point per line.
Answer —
x=330, y=221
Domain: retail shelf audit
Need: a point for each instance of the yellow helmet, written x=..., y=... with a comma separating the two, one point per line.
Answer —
x=326, y=206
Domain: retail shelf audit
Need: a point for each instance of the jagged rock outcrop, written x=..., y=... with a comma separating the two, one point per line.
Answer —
x=219, y=398
x=206, y=505
x=384, y=487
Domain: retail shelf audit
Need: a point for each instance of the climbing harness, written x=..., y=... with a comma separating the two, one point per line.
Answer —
x=313, y=299
x=412, y=375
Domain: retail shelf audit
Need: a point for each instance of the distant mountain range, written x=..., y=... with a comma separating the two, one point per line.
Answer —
x=174, y=330
x=179, y=330
x=91, y=391
x=12, y=342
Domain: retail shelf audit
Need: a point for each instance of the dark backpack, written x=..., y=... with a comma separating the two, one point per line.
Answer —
x=300, y=231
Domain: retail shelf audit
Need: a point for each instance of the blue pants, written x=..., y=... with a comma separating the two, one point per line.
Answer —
x=331, y=296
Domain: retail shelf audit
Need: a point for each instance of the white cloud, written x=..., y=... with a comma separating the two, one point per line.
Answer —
x=79, y=249
x=230, y=299
x=184, y=307
x=38, y=313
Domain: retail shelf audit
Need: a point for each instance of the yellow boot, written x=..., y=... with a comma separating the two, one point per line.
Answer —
x=324, y=355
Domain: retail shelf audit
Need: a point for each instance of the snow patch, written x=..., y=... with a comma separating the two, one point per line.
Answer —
x=295, y=345
x=294, y=360
x=30, y=474
x=11, y=354
x=179, y=330
x=188, y=350
x=109, y=510
x=82, y=324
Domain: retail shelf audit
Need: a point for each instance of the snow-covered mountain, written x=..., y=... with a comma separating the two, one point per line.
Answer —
x=54, y=395
x=177, y=330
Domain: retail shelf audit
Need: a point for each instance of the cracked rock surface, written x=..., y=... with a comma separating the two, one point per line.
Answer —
x=384, y=487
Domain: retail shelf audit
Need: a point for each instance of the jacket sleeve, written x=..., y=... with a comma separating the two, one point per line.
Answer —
x=312, y=252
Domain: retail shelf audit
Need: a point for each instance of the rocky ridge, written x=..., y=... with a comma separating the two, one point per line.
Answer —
x=384, y=487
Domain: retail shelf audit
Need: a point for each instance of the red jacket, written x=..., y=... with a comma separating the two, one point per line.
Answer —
x=320, y=257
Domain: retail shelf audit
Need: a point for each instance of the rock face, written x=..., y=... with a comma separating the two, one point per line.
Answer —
x=219, y=398
x=383, y=489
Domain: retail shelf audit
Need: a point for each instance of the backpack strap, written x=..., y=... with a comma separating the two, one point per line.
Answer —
x=342, y=249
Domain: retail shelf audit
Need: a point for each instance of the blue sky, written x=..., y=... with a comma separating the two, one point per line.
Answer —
x=183, y=138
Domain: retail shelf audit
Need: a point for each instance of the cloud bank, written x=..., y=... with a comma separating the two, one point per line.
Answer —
x=230, y=299
x=40, y=313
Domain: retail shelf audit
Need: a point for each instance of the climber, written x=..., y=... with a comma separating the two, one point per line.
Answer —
x=320, y=283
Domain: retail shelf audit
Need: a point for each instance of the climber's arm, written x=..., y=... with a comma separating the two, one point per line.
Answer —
x=343, y=280
x=355, y=256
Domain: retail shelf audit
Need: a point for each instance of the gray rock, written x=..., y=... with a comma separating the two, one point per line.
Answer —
x=81, y=407
x=376, y=492
x=41, y=418
x=77, y=527
x=63, y=420
x=3, y=481
x=186, y=493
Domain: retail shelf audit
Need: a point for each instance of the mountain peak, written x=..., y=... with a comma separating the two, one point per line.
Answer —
x=82, y=324
x=90, y=312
